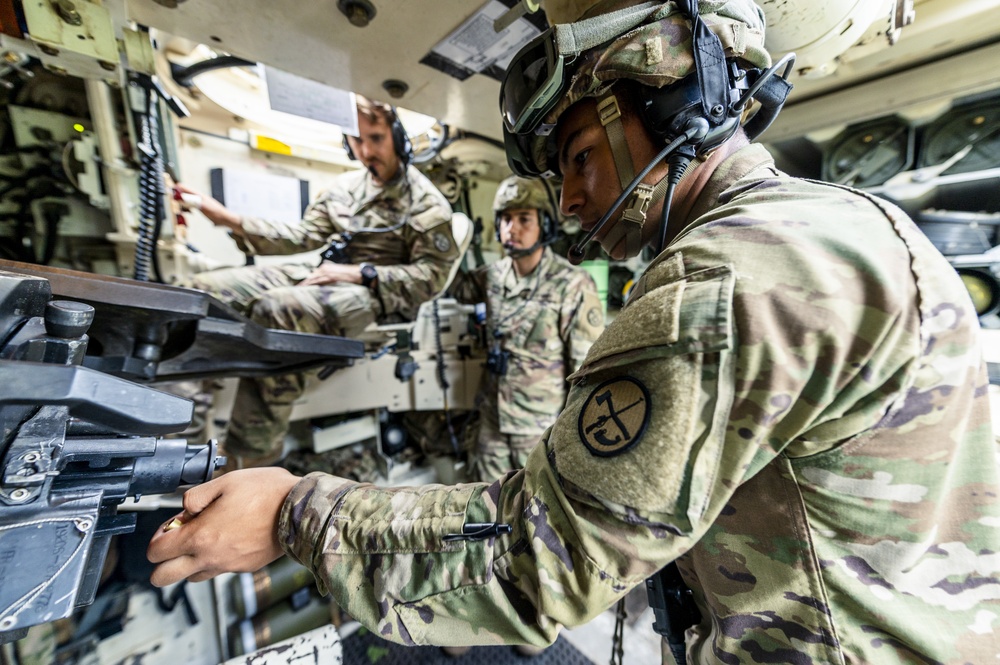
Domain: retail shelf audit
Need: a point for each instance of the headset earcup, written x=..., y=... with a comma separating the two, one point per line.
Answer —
x=400, y=141
x=549, y=230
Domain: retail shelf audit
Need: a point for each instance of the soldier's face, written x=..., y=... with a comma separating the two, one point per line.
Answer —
x=519, y=228
x=590, y=179
x=373, y=147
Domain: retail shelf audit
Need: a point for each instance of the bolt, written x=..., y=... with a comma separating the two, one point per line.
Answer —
x=359, y=12
x=395, y=87
x=20, y=494
x=718, y=109
x=357, y=16
x=7, y=623
x=84, y=524
x=67, y=12
x=32, y=457
x=68, y=319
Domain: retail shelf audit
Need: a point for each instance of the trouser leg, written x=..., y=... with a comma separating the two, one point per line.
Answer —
x=241, y=287
x=263, y=405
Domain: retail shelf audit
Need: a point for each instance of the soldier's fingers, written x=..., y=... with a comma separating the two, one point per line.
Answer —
x=202, y=576
x=201, y=497
x=175, y=570
x=166, y=545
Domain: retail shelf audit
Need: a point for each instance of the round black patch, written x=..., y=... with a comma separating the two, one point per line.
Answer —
x=615, y=416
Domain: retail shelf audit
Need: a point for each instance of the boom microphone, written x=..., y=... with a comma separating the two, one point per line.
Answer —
x=694, y=132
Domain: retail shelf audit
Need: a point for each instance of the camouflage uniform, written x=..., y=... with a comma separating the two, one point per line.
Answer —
x=792, y=405
x=548, y=321
x=413, y=257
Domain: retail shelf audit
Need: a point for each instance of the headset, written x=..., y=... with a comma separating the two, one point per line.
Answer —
x=401, y=144
x=694, y=115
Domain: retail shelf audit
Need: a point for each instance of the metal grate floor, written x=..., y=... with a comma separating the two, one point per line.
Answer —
x=365, y=648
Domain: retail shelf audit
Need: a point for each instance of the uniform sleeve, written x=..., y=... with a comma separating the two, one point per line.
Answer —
x=433, y=252
x=628, y=478
x=581, y=320
x=320, y=221
x=469, y=287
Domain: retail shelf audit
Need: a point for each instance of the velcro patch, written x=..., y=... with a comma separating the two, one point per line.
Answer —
x=615, y=416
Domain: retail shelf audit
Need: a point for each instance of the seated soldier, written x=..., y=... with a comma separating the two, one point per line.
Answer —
x=391, y=248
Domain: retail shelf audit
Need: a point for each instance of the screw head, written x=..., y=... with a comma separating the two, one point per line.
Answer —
x=395, y=87
x=20, y=494
x=359, y=12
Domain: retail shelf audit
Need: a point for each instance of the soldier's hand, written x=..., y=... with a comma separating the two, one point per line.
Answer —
x=333, y=273
x=216, y=213
x=228, y=525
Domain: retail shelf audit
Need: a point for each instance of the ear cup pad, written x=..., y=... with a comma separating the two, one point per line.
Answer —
x=401, y=144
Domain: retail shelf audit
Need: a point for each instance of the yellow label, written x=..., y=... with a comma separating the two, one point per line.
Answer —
x=268, y=144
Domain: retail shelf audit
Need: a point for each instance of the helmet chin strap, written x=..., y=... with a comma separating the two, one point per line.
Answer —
x=640, y=197
x=515, y=253
x=633, y=217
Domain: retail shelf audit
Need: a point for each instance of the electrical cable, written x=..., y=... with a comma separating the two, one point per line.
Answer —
x=442, y=379
x=576, y=252
x=677, y=165
x=147, y=196
x=183, y=76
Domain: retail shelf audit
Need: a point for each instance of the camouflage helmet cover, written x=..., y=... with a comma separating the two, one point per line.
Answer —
x=515, y=193
x=658, y=52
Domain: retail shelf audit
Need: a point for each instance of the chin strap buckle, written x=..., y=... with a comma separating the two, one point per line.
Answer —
x=638, y=204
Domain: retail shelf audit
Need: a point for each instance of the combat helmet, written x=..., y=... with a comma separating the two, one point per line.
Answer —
x=515, y=192
x=697, y=65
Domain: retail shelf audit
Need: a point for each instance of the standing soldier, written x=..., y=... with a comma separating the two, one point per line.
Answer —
x=542, y=315
x=792, y=406
x=390, y=248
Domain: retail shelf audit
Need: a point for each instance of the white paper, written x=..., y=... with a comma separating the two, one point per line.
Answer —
x=475, y=45
x=263, y=195
x=308, y=99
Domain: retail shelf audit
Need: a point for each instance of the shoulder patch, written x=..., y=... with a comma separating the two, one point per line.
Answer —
x=442, y=243
x=615, y=416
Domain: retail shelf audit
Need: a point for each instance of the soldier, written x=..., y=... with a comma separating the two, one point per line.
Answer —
x=792, y=405
x=542, y=316
x=390, y=249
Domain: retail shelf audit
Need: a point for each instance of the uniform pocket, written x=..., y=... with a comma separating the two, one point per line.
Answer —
x=646, y=415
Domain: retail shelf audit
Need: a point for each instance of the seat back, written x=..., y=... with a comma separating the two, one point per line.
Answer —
x=461, y=230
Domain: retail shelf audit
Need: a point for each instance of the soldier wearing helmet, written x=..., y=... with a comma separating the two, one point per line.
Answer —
x=542, y=315
x=792, y=406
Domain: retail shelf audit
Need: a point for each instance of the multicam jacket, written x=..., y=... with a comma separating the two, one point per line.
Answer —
x=413, y=246
x=548, y=321
x=792, y=404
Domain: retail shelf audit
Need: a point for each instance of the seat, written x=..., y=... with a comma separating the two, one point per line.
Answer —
x=462, y=230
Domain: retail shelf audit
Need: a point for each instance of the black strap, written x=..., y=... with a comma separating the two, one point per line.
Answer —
x=710, y=63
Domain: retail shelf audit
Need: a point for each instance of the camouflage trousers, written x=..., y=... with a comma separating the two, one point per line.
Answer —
x=268, y=296
x=496, y=453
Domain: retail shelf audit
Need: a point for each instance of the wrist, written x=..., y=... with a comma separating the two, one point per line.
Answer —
x=369, y=275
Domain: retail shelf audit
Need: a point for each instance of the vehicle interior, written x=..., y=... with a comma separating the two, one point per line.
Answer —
x=108, y=104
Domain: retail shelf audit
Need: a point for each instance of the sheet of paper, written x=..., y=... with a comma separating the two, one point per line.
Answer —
x=306, y=98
